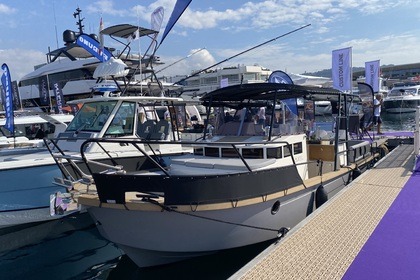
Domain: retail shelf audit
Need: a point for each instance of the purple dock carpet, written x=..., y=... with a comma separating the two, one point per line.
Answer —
x=393, y=250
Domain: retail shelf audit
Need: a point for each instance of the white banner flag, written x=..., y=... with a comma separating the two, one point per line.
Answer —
x=342, y=69
x=224, y=83
x=372, y=72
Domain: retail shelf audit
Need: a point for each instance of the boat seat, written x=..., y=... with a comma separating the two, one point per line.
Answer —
x=251, y=129
x=248, y=129
x=228, y=163
x=160, y=131
x=145, y=130
x=229, y=128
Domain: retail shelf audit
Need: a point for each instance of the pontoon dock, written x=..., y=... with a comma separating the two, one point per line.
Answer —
x=369, y=231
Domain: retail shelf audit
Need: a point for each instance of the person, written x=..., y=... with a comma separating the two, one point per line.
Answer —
x=166, y=115
x=261, y=115
x=228, y=117
x=377, y=104
x=103, y=115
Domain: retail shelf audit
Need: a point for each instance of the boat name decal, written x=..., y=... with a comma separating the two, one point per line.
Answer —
x=92, y=46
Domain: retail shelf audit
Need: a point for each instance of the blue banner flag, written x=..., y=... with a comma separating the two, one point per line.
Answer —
x=59, y=97
x=93, y=47
x=44, y=91
x=16, y=98
x=281, y=77
x=6, y=82
x=179, y=9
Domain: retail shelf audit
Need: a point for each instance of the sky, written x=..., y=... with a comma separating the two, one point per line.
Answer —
x=211, y=31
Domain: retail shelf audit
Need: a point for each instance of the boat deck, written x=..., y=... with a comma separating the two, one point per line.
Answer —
x=368, y=231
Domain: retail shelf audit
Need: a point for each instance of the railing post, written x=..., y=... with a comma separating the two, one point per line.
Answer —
x=417, y=132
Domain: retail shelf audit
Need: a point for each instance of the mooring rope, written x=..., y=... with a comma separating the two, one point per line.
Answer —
x=280, y=232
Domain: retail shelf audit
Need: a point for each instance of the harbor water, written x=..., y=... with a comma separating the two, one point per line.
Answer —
x=72, y=248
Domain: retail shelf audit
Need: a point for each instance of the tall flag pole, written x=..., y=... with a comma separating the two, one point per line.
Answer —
x=342, y=69
x=101, y=38
x=6, y=82
x=372, y=72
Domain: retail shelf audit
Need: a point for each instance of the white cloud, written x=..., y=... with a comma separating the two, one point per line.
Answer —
x=4, y=9
x=21, y=62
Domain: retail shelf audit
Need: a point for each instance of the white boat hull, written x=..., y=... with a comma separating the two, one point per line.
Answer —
x=401, y=105
x=152, y=238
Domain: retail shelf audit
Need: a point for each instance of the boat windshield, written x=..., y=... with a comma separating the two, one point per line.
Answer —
x=92, y=116
x=402, y=92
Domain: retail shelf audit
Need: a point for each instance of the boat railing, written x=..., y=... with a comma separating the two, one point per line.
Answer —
x=155, y=150
x=78, y=175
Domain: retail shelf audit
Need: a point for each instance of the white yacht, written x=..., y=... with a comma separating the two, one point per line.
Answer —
x=30, y=131
x=72, y=67
x=402, y=98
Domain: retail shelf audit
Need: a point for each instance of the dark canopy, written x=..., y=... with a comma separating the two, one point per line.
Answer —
x=126, y=30
x=269, y=91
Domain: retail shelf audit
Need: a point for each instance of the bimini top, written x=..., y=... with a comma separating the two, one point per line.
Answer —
x=271, y=91
x=126, y=30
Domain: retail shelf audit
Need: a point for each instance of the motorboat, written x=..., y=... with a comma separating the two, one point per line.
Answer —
x=28, y=193
x=242, y=183
x=402, y=98
x=30, y=129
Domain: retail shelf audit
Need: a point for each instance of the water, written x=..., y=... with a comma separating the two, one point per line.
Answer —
x=398, y=122
x=72, y=248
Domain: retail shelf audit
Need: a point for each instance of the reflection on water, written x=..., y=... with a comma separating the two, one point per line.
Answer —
x=72, y=248
x=64, y=249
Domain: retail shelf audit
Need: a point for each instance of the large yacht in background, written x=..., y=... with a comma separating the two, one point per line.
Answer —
x=73, y=67
x=403, y=98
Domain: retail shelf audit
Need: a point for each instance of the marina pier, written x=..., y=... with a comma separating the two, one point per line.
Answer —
x=369, y=231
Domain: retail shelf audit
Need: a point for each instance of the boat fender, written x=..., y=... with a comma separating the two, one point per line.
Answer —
x=383, y=150
x=282, y=232
x=320, y=196
x=356, y=173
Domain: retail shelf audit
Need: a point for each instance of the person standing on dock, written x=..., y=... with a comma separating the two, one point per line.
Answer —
x=377, y=104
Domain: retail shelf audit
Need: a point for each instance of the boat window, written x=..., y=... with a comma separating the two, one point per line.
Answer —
x=286, y=151
x=274, y=152
x=123, y=121
x=402, y=91
x=62, y=77
x=92, y=116
x=229, y=153
x=198, y=151
x=297, y=148
x=211, y=152
x=253, y=153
